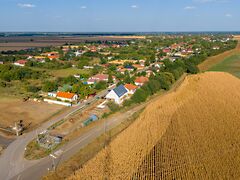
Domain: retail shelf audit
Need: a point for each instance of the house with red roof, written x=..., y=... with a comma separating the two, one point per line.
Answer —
x=21, y=62
x=99, y=77
x=51, y=55
x=140, y=81
x=130, y=88
x=66, y=96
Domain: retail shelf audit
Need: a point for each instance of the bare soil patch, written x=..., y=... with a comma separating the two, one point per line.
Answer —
x=32, y=113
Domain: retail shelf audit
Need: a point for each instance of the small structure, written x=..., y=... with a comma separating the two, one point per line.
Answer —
x=67, y=96
x=118, y=94
x=18, y=127
x=52, y=94
x=140, y=81
x=99, y=77
x=130, y=88
x=20, y=63
x=47, y=141
x=88, y=121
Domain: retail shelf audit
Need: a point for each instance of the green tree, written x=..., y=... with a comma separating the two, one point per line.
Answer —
x=139, y=96
x=49, y=86
x=101, y=85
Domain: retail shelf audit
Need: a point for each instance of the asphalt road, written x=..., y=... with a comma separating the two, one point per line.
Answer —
x=5, y=141
x=14, y=166
x=12, y=161
x=39, y=168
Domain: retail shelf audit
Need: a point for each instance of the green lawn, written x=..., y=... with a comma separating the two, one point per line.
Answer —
x=69, y=71
x=64, y=72
x=230, y=64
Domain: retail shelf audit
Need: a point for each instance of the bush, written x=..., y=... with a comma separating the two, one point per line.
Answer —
x=49, y=86
x=192, y=68
x=139, y=96
x=101, y=85
x=32, y=89
x=113, y=106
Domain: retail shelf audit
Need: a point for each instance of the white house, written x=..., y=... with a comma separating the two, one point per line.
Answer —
x=118, y=94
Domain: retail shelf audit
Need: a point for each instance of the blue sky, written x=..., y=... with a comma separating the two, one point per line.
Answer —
x=119, y=15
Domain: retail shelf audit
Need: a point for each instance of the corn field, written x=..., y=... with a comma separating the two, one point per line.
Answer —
x=193, y=133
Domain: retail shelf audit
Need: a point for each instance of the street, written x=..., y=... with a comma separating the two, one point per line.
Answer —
x=12, y=161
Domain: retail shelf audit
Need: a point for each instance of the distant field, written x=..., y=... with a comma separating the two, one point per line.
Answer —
x=211, y=61
x=230, y=64
x=237, y=37
x=18, y=43
x=32, y=113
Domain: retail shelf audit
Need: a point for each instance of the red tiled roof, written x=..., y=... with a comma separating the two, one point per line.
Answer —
x=141, y=79
x=130, y=86
x=21, y=61
x=65, y=95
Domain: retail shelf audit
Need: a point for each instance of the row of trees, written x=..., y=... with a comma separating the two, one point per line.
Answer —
x=54, y=64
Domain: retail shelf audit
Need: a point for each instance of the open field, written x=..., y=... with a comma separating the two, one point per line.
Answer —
x=211, y=61
x=18, y=43
x=237, y=37
x=32, y=113
x=68, y=72
x=193, y=133
x=230, y=64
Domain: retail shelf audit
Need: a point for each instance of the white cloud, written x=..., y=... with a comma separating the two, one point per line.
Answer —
x=229, y=15
x=190, y=7
x=83, y=7
x=134, y=6
x=26, y=5
x=212, y=1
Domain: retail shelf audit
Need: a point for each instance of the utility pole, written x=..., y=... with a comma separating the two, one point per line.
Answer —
x=53, y=162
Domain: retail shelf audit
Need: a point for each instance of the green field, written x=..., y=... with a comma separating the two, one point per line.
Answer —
x=68, y=72
x=64, y=72
x=230, y=64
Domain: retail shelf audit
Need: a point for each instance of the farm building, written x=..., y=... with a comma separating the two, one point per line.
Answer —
x=66, y=96
x=118, y=94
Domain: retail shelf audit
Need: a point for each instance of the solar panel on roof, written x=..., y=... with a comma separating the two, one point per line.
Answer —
x=120, y=90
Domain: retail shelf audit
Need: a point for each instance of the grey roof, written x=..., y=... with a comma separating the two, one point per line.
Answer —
x=120, y=90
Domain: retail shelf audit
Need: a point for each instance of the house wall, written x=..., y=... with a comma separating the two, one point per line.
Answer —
x=113, y=96
x=17, y=64
x=57, y=102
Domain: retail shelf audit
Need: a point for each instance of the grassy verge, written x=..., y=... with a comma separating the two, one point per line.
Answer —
x=230, y=64
x=212, y=61
x=85, y=154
